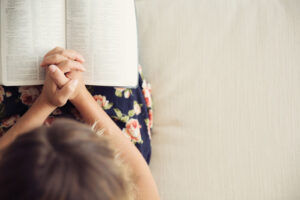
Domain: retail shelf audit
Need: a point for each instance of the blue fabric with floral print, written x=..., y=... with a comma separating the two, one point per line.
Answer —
x=131, y=109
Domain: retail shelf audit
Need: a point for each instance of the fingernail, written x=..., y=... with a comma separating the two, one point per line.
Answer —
x=83, y=68
x=74, y=83
x=52, y=68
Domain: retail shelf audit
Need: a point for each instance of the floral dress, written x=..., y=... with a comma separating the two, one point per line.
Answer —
x=131, y=109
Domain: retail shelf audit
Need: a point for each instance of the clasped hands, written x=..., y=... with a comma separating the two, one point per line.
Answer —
x=63, y=80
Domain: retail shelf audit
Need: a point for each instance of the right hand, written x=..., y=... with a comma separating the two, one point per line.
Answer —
x=54, y=96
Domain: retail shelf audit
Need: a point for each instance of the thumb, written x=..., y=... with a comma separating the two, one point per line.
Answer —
x=64, y=93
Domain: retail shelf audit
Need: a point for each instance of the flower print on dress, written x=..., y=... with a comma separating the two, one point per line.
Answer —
x=122, y=117
x=103, y=102
x=57, y=111
x=150, y=118
x=136, y=108
x=147, y=93
x=49, y=120
x=9, y=122
x=132, y=126
x=8, y=94
x=132, y=129
x=127, y=94
x=149, y=122
x=29, y=94
x=119, y=92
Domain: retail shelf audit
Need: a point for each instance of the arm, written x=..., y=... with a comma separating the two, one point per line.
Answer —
x=33, y=118
x=92, y=112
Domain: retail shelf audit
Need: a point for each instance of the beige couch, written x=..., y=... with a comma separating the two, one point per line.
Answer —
x=225, y=76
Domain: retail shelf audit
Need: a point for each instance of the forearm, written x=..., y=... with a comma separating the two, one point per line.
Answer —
x=33, y=118
x=92, y=112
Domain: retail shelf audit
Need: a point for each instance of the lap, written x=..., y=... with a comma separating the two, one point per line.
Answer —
x=131, y=109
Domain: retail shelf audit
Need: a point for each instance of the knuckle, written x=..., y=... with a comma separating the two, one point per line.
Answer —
x=78, y=65
x=58, y=48
x=63, y=63
x=56, y=57
x=65, y=66
x=69, y=63
x=63, y=52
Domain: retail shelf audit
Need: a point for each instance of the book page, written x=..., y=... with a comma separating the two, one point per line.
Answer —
x=105, y=33
x=29, y=29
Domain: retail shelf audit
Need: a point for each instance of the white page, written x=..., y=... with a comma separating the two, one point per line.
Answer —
x=105, y=33
x=29, y=29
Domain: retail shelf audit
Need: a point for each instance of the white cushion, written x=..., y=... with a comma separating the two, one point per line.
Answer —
x=226, y=87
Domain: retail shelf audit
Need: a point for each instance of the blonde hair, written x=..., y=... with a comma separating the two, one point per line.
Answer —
x=64, y=161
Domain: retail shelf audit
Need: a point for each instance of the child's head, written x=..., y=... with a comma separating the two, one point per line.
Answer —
x=64, y=161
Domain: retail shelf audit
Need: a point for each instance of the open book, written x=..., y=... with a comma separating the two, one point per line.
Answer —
x=103, y=31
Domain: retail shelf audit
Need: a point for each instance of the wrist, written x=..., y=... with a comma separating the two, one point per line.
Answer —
x=42, y=103
x=81, y=97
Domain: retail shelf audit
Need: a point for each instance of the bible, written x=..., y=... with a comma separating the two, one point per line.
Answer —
x=103, y=31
